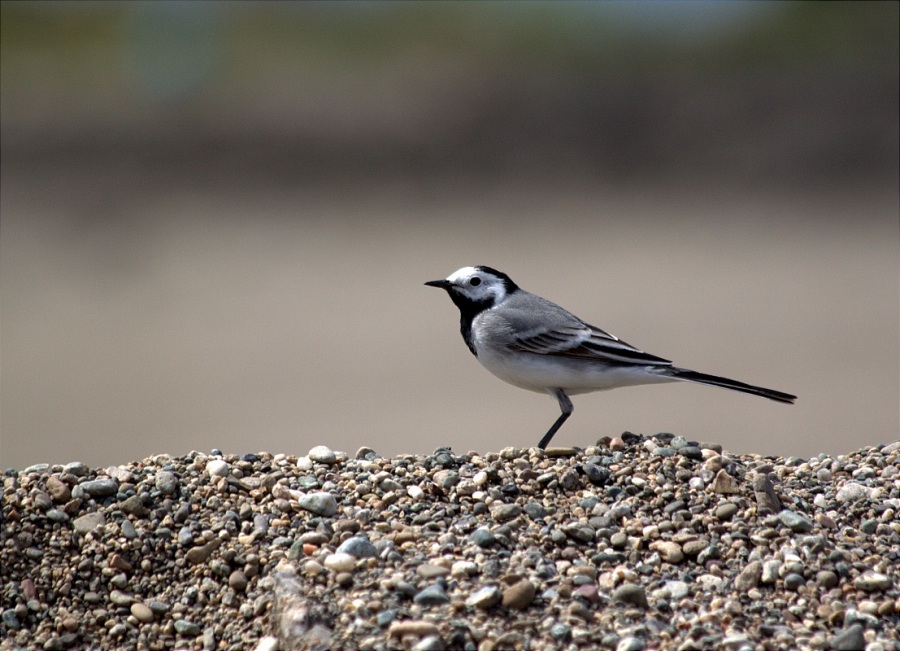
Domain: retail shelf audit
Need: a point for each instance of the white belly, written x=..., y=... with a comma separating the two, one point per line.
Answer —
x=543, y=373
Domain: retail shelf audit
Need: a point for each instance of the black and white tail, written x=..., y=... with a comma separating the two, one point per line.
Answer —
x=724, y=382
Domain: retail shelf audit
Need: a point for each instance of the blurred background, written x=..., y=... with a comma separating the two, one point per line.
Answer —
x=217, y=219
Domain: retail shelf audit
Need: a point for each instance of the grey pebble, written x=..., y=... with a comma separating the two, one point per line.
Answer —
x=850, y=639
x=764, y=492
x=99, y=487
x=429, y=643
x=749, y=577
x=630, y=594
x=482, y=537
x=597, y=475
x=120, y=598
x=852, y=492
x=209, y=639
x=322, y=454
x=726, y=511
x=185, y=536
x=134, y=506
x=88, y=522
x=505, y=512
x=75, y=468
x=485, y=598
x=560, y=631
x=631, y=644
x=677, y=589
x=794, y=581
x=873, y=582
x=187, y=628
x=128, y=529
x=166, y=482
x=321, y=503
x=795, y=522
x=770, y=571
x=358, y=547
x=10, y=619
x=433, y=595
x=691, y=452
x=55, y=515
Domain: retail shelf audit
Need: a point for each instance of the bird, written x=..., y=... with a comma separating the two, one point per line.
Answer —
x=533, y=343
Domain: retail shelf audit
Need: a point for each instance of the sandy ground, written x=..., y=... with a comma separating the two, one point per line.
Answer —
x=278, y=320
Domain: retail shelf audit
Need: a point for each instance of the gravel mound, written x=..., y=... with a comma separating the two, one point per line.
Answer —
x=634, y=543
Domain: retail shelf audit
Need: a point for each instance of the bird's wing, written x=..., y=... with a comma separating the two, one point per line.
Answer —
x=532, y=324
x=586, y=342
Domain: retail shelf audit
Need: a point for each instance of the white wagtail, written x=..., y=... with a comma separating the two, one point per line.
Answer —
x=534, y=344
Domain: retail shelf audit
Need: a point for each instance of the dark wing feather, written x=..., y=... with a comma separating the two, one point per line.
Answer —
x=586, y=342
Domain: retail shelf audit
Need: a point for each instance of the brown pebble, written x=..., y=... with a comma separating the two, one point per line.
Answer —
x=749, y=577
x=118, y=562
x=554, y=453
x=668, y=551
x=725, y=484
x=520, y=595
x=58, y=489
x=417, y=628
x=588, y=592
x=196, y=555
x=142, y=613
x=238, y=581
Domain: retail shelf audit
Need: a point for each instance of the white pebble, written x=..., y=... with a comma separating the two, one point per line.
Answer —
x=322, y=454
x=217, y=468
x=340, y=562
x=464, y=568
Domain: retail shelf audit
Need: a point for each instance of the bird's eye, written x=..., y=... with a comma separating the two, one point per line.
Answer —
x=475, y=282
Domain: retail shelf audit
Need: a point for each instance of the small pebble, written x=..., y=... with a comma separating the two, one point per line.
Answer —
x=358, y=547
x=187, y=628
x=217, y=468
x=321, y=503
x=630, y=594
x=873, y=582
x=433, y=595
x=340, y=562
x=322, y=454
x=142, y=612
x=88, y=522
x=519, y=595
x=485, y=598
x=631, y=644
x=166, y=482
x=99, y=487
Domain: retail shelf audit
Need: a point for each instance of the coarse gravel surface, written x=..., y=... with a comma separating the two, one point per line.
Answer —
x=638, y=542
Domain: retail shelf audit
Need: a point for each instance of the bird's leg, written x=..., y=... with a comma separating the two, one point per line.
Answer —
x=565, y=405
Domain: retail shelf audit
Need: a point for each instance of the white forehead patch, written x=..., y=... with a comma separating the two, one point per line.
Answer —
x=465, y=272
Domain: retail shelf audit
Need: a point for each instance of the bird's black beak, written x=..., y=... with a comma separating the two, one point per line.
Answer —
x=443, y=284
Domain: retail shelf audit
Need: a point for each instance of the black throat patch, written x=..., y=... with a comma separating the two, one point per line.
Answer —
x=468, y=310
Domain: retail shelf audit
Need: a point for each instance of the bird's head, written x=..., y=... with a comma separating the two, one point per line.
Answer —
x=476, y=286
